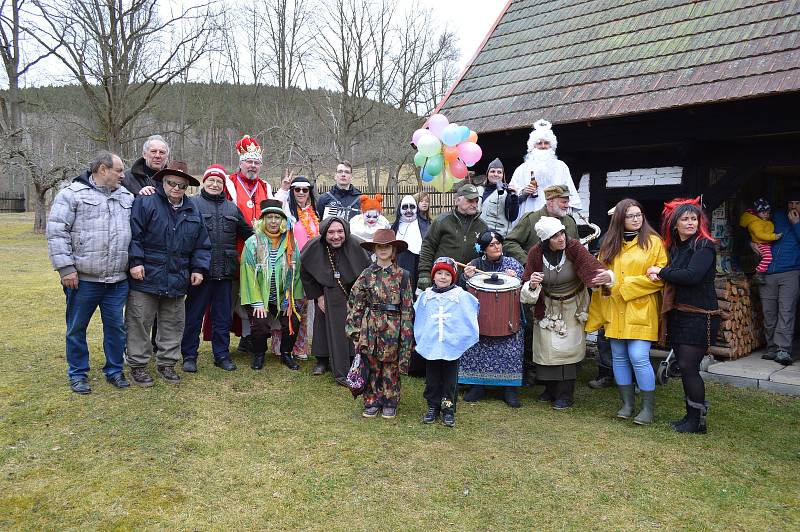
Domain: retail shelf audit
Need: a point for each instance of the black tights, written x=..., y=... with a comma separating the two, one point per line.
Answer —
x=689, y=358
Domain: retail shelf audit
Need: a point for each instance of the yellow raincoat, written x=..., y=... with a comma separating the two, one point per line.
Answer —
x=761, y=231
x=632, y=310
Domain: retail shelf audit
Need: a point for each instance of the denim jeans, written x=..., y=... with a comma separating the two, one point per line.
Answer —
x=81, y=305
x=217, y=294
x=633, y=356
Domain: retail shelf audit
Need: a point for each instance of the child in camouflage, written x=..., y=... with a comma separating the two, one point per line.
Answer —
x=380, y=323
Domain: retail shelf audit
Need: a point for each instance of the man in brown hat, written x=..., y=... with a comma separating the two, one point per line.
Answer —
x=170, y=248
x=453, y=234
x=380, y=321
x=523, y=236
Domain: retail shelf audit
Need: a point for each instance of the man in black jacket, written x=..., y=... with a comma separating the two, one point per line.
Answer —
x=139, y=179
x=224, y=221
x=343, y=198
x=169, y=249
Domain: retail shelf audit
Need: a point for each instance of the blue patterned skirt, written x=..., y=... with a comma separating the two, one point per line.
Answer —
x=493, y=361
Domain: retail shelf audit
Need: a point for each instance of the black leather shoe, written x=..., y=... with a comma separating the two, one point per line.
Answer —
x=118, y=380
x=511, y=399
x=258, y=361
x=225, y=363
x=168, y=374
x=190, y=365
x=320, y=368
x=289, y=362
x=80, y=385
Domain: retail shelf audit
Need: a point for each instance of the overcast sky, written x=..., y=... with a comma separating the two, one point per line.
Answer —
x=470, y=19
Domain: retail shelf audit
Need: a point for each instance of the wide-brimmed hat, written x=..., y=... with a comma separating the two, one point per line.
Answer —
x=385, y=237
x=548, y=226
x=176, y=168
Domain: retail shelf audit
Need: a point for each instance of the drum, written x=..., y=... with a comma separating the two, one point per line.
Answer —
x=498, y=295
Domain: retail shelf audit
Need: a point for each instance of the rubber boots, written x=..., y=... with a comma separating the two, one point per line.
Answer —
x=628, y=398
x=648, y=410
x=695, y=419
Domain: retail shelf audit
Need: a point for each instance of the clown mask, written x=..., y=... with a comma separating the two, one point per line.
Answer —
x=371, y=217
x=408, y=209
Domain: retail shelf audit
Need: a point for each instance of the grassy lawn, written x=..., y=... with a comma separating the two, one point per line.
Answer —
x=284, y=450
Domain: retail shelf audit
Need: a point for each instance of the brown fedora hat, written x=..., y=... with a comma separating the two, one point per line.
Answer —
x=386, y=237
x=177, y=168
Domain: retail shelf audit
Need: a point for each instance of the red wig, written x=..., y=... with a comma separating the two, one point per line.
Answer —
x=672, y=212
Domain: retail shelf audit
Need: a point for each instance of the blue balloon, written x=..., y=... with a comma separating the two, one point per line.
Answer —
x=451, y=135
x=426, y=177
x=463, y=133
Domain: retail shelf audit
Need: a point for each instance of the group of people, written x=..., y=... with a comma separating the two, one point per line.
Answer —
x=330, y=277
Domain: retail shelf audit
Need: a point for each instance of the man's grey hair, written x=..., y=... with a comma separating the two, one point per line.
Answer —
x=103, y=158
x=150, y=139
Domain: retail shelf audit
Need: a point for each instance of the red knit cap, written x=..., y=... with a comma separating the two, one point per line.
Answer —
x=369, y=204
x=217, y=170
x=447, y=264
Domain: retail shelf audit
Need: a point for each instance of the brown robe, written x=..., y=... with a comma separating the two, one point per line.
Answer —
x=330, y=339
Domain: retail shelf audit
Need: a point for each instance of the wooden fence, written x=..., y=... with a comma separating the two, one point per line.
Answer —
x=439, y=201
x=12, y=203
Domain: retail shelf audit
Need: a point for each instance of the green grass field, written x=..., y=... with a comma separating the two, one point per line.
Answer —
x=284, y=450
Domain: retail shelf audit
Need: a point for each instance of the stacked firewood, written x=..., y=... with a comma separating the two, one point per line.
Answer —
x=742, y=328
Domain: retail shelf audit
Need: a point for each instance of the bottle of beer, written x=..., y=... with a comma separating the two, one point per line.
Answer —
x=534, y=183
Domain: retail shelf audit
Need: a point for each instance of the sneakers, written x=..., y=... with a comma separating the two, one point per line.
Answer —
x=562, y=404
x=783, y=357
x=449, y=419
x=118, y=380
x=80, y=385
x=370, y=411
x=431, y=415
x=601, y=382
x=389, y=412
x=141, y=377
x=168, y=374
x=190, y=365
x=225, y=363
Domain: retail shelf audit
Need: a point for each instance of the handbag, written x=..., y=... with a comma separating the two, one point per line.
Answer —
x=358, y=375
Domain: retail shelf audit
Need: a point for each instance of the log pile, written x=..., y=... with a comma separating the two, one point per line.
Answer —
x=742, y=326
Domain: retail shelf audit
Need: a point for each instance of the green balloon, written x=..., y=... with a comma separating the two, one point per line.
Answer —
x=419, y=159
x=435, y=164
x=428, y=145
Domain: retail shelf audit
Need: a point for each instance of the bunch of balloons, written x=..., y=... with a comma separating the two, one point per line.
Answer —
x=444, y=152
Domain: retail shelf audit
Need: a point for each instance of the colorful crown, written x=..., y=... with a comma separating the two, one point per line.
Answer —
x=248, y=149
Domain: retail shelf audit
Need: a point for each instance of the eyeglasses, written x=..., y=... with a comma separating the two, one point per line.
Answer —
x=173, y=184
x=303, y=190
x=633, y=216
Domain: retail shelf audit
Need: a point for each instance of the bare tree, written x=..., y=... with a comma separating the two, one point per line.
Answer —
x=288, y=40
x=121, y=53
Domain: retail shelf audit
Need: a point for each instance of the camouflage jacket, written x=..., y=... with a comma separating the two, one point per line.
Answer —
x=379, y=332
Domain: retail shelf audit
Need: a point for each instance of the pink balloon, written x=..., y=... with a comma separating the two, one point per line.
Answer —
x=417, y=134
x=458, y=169
x=437, y=123
x=470, y=153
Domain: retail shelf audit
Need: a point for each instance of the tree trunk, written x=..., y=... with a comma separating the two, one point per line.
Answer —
x=40, y=210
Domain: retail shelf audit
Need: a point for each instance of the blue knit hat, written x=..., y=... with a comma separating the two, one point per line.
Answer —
x=761, y=205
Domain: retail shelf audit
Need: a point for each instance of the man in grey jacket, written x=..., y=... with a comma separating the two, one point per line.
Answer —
x=88, y=233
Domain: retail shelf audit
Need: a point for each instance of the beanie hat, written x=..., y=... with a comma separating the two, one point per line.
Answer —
x=216, y=170
x=447, y=264
x=761, y=205
x=370, y=204
x=547, y=226
x=272, y=206
x=486, y=238
x=542, y=130
x=497, y=163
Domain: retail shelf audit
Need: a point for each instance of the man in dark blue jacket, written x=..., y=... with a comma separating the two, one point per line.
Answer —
x=170, y=248
x=343, y=199
x=782, y=283
x=224, y=222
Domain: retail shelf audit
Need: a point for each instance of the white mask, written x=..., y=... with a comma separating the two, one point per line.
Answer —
x=408, y=209
x=371, y=217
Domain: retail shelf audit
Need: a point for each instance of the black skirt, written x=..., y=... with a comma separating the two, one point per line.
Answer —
x=690, y=328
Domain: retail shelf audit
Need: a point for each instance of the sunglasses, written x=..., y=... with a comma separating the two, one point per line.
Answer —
x=173, y=184
x=304, y=190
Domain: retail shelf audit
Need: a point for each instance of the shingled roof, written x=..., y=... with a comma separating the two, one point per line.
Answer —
x=576, y=60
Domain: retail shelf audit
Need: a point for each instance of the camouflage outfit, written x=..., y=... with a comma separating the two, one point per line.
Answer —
x=380, y=320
